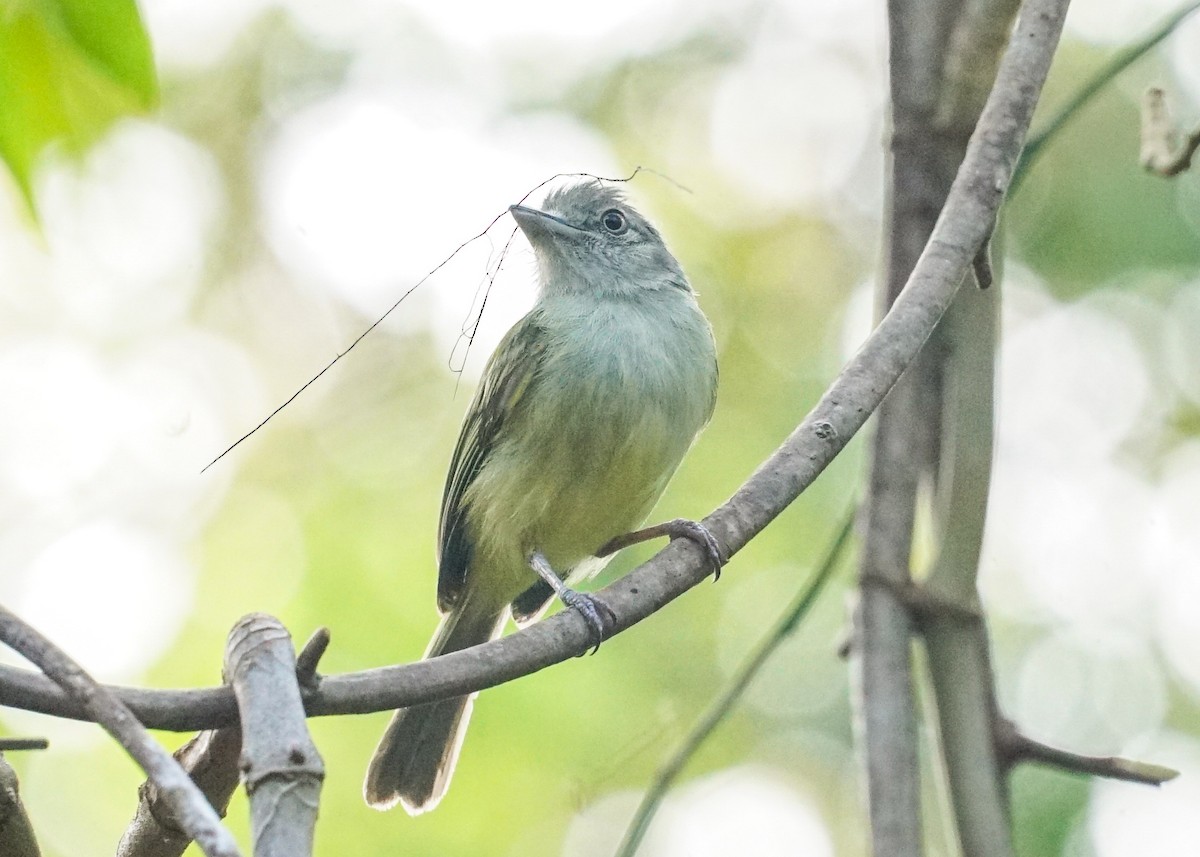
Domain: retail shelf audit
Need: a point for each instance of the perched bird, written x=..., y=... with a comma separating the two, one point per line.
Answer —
x=584, y=412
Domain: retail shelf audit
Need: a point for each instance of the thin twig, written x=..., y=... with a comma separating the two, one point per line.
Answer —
x=720, y=708
x=195, y=815
x=1015, y=747
x=16, y=744
x=310, y=655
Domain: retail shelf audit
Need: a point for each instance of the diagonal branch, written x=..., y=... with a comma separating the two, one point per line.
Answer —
x=195, y=815
x=211, y=760
x=854, y=395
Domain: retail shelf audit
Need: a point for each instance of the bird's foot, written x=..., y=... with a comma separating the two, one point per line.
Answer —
x=595, y=612
x=679, y=528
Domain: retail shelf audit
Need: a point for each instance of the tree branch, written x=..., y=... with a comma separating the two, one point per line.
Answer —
x=962, y=383
x=185, y=800
x=966, y=221
x=959, y=657
x=211, y=760
x=13, y=744
x=977, y=42
x=881, y=665
x=280, y=764
x=16, y=833
x=1015, y=747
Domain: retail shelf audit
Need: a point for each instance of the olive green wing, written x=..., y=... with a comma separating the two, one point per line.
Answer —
x=511, y=371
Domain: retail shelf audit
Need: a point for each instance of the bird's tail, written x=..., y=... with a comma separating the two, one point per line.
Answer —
x=414, y=760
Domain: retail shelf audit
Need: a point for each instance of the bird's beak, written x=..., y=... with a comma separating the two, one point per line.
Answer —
x=539, y=226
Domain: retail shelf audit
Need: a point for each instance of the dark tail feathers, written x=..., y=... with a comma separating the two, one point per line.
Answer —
x=414, y=761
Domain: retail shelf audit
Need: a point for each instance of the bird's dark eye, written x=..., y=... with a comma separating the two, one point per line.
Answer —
x=614, y=221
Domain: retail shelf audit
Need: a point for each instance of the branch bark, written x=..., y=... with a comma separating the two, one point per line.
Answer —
x=16, y=833
x=962, y=382
x=934, y=418
x=903, y=443
x=211, y=760
x=958, y=650
x=1015, y=747
x=102, y=706
x=280, y=765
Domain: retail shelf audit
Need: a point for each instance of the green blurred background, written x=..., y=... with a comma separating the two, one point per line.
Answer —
x=311, y=161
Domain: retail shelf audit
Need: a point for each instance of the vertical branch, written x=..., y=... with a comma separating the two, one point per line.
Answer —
x=902, y=440
x=280, y=764
x=959, y=657
x=939, y=426
x=956, y=640
x=965, y=346
x=881, y=643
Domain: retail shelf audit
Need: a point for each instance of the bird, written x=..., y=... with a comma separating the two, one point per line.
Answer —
x=584, y=411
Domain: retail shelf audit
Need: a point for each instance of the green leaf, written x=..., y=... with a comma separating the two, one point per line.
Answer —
x=110, y=32
x=68, y=70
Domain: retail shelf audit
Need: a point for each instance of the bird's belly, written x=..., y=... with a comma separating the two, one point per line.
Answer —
x=587, y=468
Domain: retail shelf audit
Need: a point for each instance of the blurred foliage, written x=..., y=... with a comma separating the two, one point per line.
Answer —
x=68, y=70
x=330, y=518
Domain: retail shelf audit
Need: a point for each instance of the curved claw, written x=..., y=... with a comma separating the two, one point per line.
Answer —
x=591, y=608
x=595, y=612
x=679, y=528
x=682, y=528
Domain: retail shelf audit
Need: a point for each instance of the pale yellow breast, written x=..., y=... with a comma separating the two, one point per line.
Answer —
x=610, y=419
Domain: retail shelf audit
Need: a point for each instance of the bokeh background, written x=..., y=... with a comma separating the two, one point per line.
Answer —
x=313, y=160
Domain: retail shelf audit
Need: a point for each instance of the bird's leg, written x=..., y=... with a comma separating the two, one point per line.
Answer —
x=679, y=528
x=597, y=614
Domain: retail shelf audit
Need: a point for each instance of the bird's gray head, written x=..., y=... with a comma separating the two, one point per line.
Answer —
x=588, y=238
